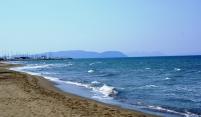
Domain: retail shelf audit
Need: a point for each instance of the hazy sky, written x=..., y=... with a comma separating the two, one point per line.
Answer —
x=166, y=26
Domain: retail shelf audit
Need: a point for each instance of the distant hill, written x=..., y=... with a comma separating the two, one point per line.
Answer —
x=83, y=54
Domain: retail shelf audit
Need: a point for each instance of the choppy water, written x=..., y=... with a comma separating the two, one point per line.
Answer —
x=167, y=86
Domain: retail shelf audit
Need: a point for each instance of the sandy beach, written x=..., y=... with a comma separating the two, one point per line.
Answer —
x=24, y=95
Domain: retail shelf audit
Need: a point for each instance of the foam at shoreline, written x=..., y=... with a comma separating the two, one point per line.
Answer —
x=105, y=90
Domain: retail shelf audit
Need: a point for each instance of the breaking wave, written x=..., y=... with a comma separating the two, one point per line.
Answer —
x=108, y=90
x=90, y=71
x=105, y=90
x=177, y=69
x=34, y=67
x=161, y=109
x=94, y=63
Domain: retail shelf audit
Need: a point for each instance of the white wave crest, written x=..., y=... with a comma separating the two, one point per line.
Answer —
x=95, y=82
x=20, y=69
x=91, y=64
x=69, y=64
x=78, y=84
x=108, y=90
x=177, y=69
x=33, y=67
x=54, y=79
x=167, y=78
x=151, y=86
x=94, y=63
x=90, y=71
x=187, y=114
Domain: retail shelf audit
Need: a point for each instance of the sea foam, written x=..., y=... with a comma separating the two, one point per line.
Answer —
x=105, y=90
x=94, y=63
x=161, y=109
x=149, y=86
x=177, y=69
x=95, y=82
x=108, y=90
x=32, y=67
x=167, y=78
x=90, y=71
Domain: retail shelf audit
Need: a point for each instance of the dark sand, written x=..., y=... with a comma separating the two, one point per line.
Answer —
x=24, y=95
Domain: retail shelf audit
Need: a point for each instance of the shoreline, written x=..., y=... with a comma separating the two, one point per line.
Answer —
x=70, y=105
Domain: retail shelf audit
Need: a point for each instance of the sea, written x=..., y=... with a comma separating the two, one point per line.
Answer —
x=165, y=86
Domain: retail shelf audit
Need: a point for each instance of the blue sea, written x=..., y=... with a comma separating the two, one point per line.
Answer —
x=166, y=86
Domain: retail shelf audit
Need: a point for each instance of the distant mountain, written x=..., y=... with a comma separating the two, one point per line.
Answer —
x=83, y=54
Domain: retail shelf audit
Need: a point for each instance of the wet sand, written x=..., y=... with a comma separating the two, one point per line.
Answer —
x=24, y=95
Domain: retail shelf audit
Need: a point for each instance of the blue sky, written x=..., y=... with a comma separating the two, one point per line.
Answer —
x=147, y=26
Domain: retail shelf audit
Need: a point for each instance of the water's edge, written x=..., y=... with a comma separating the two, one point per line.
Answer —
x=67, y=87
x=53, y=84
